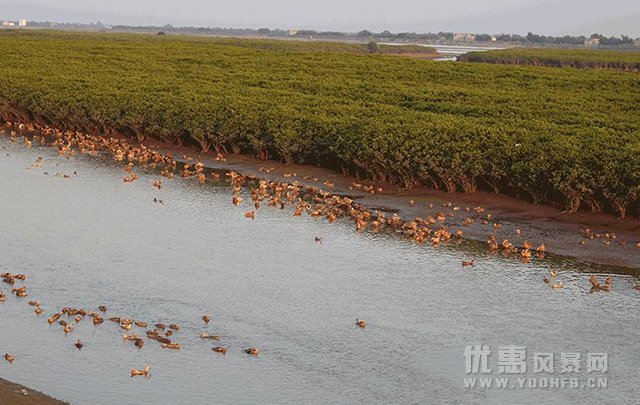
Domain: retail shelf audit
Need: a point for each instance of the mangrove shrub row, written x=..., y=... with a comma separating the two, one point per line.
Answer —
x=554, y=57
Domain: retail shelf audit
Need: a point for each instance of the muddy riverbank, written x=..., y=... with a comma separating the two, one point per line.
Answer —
x=16, y=394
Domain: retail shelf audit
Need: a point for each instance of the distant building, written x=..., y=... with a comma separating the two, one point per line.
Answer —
x=464, y=37
x=292, y=32
x=22, y=23
x=637, y=42
x=591, y=42
x=8, y=24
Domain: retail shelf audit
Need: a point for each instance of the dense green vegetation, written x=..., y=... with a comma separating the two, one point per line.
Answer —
x=554, y=57
x=314, y=46
x=563, y=136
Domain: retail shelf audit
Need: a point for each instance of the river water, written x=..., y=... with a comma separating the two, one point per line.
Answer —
x=91, y=240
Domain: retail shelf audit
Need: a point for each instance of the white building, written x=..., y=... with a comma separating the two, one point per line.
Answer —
x=464, y=37
x=22, y=23
x=592, y=42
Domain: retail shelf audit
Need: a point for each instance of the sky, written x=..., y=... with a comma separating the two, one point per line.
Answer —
x=549, y=17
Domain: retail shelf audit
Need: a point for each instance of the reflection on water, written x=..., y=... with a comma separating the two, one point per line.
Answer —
x=92, y=239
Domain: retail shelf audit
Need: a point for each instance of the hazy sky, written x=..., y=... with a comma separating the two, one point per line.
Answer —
x=612, y=17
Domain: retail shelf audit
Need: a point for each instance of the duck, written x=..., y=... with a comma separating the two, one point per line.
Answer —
x=206, y=319
x=252, y=351
x=205, y=335
x=553, y=273
x=3, y=298
x=38, y=311
x=53, y=318
x=541, y=248
x=141, y=324
x=220, y=349
x=130, y=337
x=153, y=334
x=139, y=343
x=174, y=326
x=361, y=323
x=102, y=308
x=163, y=340
x=468, y=263
x=79, y=344
x=250, y=214
x=174, y=346
x=558, y=285
x=318, y=240
x=8, y=357
x=144, y=372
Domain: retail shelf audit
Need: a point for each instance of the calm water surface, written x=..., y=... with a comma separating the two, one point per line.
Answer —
x=93, y=239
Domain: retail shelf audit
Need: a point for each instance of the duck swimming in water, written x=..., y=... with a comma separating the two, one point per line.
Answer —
x=220, y=349
x=9, y=358
x=143, y=372
x=361, y=323
x=252, y=351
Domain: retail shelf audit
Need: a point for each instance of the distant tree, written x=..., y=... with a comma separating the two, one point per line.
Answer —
x=363, y=34
x=483, y=37
x=161, y=33
x=264, y=31
x=446, y=35
x=372, y=46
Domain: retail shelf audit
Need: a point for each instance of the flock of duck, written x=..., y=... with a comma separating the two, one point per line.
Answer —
x=308, y=199
x=311, y=200
x=68, y=318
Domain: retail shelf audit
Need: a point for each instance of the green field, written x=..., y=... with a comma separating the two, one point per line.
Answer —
x=312, y=46
x=553, y=57
x=567, y=137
